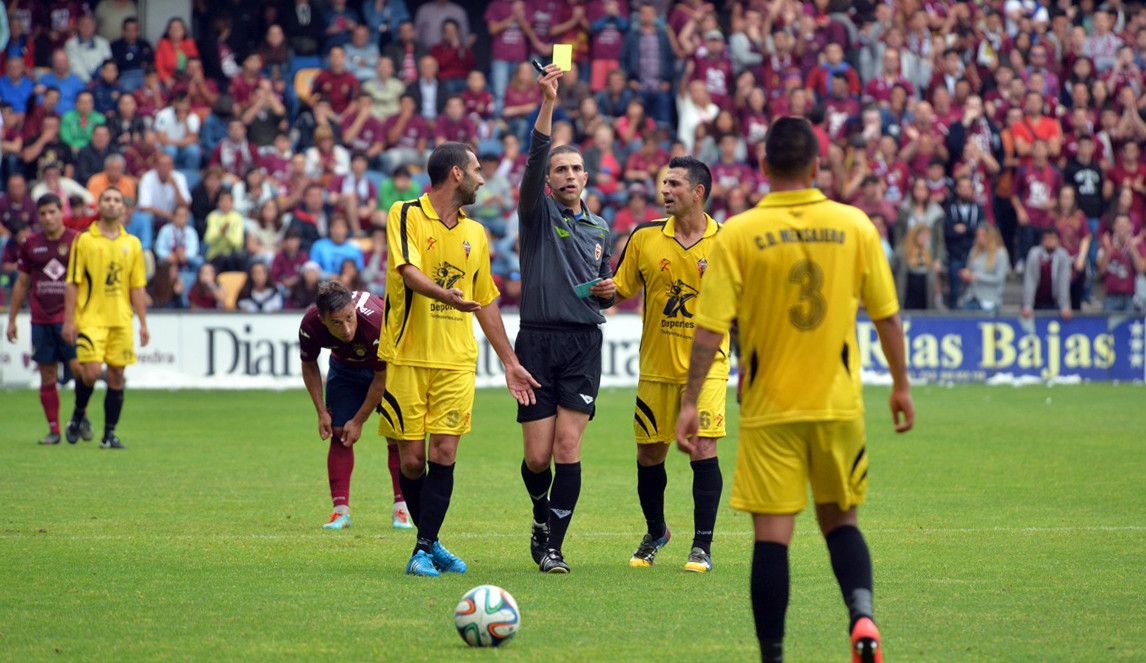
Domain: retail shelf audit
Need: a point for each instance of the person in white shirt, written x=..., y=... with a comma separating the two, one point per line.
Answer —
x=178, y=131
x=161, y=190
x=694, y=108
x=87, y=51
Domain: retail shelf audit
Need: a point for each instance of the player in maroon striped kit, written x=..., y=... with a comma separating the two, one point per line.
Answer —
x=349, y=325
x=42, y=262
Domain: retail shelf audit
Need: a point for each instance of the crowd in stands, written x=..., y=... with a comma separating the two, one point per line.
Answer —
x=989, y=141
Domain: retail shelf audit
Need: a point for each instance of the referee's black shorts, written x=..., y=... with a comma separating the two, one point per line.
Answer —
x=566, y=360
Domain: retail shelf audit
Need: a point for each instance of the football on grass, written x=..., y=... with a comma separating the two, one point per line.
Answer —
x=487, y=616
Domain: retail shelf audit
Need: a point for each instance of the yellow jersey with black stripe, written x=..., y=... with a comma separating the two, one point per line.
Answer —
x=104, y=270
x=670, y=274
x=417, y=330
x=793, y=271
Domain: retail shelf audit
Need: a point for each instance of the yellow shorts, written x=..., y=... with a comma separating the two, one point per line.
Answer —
x=775, y=463
x=658, y=404
x=105, y=345
x=425, y=400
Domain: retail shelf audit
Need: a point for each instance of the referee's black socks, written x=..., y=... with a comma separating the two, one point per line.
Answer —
x=562, y=500
x=651, y=482
x=769, y=587
x=707, y=484
x=537, y=485
x=851, y=562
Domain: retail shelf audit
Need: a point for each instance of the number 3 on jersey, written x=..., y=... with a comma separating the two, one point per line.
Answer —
x=810, y=311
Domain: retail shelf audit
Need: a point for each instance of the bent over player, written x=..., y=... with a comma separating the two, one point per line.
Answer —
x=106, y=281
x=348, y=324
x=792, y=271
x=42, y=263
x=438, y=279
x=667, y=259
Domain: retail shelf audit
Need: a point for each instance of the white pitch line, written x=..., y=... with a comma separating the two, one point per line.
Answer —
x=310, y=536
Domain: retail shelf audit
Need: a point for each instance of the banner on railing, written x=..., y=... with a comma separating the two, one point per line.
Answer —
x=241, y=351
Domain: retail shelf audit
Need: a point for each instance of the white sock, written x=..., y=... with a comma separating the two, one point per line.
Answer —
x=342, y=509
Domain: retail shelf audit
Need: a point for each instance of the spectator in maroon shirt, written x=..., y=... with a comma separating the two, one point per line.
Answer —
x=243, y=86
x=16, y=206
x=479, y=101
x=1033, y=200
x=453, y=125
x=643, y=165
x=509, y=28
x=635, y=212
x=335, y=83
x=608, y=23
x=1121, y=259
x=1130, y=173
x=840, y=109
x=711, y=64
x=455, y=58
x=871, y=200
x=235, y=154
x=362, y=131
x=879, y=88
x=407, y=134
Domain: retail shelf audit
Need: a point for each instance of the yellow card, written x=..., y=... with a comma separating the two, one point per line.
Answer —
x=563, y=56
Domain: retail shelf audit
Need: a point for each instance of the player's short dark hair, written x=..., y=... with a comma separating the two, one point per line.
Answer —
x=332, y=296
x=48, y=199
x=444, y=158
x=791, y=147
x=111, y=188
x=697, y=170
x=1050, y=232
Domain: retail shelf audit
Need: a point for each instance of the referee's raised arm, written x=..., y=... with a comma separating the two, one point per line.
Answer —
x=533, y=180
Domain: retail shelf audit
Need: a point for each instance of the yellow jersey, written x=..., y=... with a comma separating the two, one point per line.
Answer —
x=417, y=330
x=793, y=271
x=105, y=271
x=670, y=275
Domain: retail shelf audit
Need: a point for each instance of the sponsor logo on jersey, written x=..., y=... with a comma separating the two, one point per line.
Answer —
x=114, y=273
x=679, y=295
x=446, y=275
x=587, y=399
x=55, y=270
x=430, y=242
x=665, y=264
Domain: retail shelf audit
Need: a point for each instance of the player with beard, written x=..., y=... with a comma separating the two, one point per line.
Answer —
x=106, y=282
x=667, y=260
x=438, y=279
x=41, y=263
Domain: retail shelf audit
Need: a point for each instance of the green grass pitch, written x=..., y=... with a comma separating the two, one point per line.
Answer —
x=1010, y=525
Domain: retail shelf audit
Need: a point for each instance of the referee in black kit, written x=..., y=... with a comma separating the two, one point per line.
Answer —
x=566, y=281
